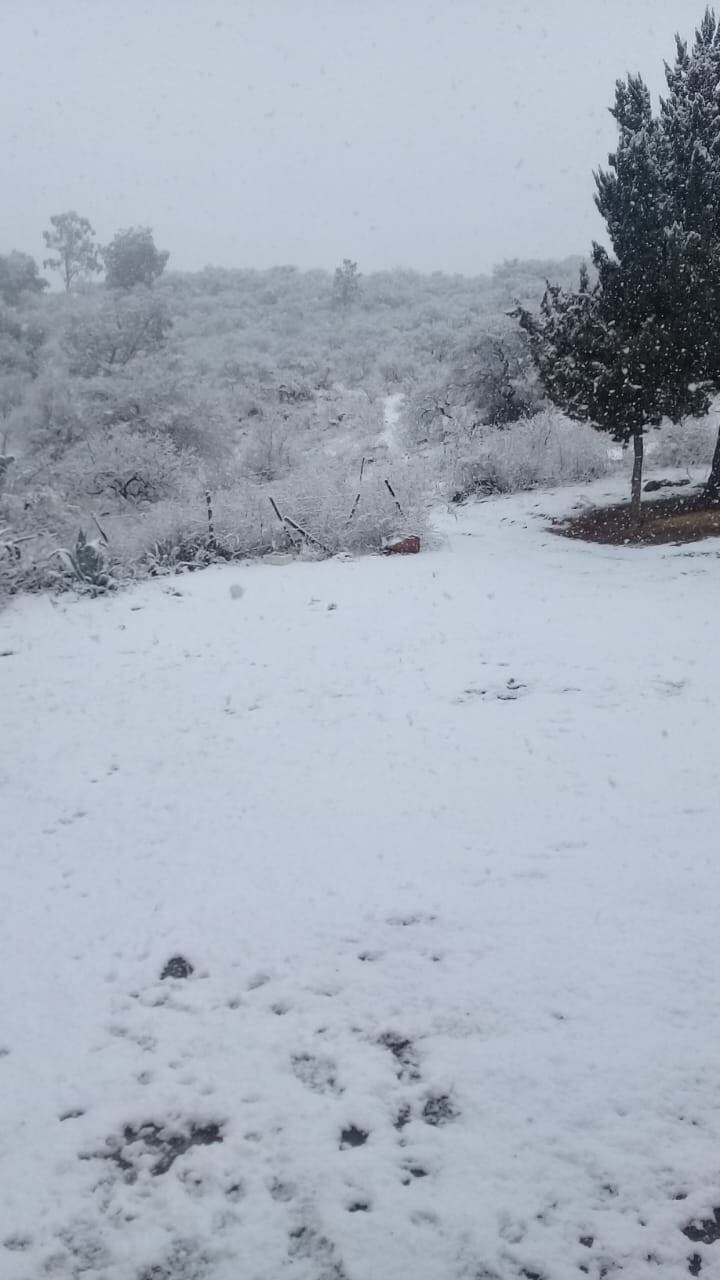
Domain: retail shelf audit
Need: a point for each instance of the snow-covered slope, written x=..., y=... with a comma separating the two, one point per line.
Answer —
x=439, y=837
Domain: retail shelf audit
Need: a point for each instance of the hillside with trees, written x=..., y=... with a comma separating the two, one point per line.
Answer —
x=131, y=395
x=123, y=401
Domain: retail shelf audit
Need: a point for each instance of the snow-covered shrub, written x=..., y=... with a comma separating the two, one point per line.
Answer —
x=52, y=415
x=33, y=513
x=126, y=465
x=34, y=522
x=549, y=449
x=172, y=535
x=35, y=571
x=430, y=421
x=265, y=454
x=6, y=461
x=690, y=444
x=324, y=501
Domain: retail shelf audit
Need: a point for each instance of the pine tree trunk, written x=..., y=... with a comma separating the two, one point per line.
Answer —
x=712, y=488
x=636, y=488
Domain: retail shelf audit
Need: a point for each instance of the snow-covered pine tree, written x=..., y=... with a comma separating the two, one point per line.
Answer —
x=637, y=345
x=690, y=124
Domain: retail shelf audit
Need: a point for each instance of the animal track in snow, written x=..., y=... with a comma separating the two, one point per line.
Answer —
x=283, y=1192
x=439, y=1109
x=130, y=1149
x=510, y=691
x=402, y=1117
x=305, y=1242
x=404, y=921
x=316, y=1073
x=404, y=1053
x=258, y=980
x=353, y=1136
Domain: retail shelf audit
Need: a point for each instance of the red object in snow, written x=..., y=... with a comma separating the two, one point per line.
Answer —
x=405, y=547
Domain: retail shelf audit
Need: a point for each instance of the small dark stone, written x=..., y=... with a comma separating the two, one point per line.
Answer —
x=358, y=1206
x=695, y=1264
x=587, y=1241
x=653, y=485
x=177, y=967
x=353, y=1137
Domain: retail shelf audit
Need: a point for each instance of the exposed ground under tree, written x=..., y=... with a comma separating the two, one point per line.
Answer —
x=662, y=520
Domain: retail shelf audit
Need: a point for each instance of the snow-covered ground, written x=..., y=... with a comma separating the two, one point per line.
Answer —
x=439, y=836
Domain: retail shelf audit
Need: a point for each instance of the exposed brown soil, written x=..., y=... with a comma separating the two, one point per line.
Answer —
x=686, y=518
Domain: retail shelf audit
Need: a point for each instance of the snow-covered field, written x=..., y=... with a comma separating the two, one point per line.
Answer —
x=439, y=836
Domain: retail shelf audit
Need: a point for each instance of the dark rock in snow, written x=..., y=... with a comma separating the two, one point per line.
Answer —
x=653, y=485
x=403, y=547
x=177, y=967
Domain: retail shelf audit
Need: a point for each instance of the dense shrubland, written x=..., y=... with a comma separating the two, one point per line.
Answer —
x=122, y=407
x=161, y=419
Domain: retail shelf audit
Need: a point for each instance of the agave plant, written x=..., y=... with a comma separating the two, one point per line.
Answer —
x=87, y=561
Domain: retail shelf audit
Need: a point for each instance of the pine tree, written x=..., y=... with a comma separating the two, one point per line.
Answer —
x=638, y=345
x=690, y=121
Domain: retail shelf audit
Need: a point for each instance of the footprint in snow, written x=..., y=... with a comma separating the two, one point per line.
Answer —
x=440, y=1109
x=308, y=1243
x=316, y=1073
x=282, y=1192
x=510, y=691
x=407, y=1061
x=403, y=1117
x=353, y=1136
x=404, y=921
x=258, y=980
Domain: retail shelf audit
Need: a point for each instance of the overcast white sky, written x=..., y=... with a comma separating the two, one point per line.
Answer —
x=435, y=134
